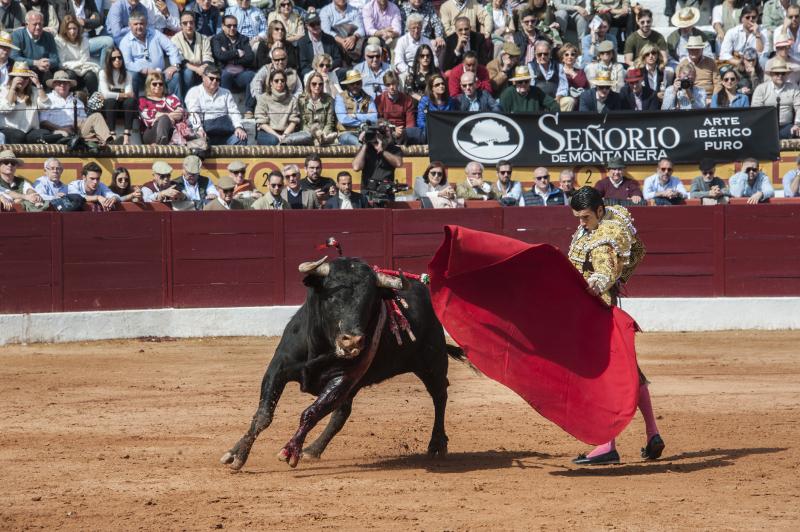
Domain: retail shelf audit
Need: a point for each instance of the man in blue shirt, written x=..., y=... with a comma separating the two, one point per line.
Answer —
x=345, y=24
x=664, y=188
x=751, y=183
x=118, y=19
x=354, y=108
x=147, y=51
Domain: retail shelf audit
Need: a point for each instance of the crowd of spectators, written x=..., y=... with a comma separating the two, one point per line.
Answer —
x=319, y=71
x=187, y=188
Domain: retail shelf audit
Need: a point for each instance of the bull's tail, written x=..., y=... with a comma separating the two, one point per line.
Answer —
x=457, y=353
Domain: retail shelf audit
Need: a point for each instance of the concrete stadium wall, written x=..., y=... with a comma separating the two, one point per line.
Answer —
x=652, y=314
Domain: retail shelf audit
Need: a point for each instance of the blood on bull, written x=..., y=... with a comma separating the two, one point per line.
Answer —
x=350, y=333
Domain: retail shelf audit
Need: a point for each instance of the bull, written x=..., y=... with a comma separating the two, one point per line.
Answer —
x=341, y=340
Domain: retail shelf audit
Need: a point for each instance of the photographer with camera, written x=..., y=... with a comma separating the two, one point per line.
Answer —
x=377, y=160
x=683, y=94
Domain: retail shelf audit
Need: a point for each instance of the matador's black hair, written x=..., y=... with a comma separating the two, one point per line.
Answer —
x=586, y=198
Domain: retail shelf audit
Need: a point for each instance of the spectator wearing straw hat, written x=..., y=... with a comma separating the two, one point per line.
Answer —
x=779, y=93
x=706, y=74
x=521, y=97
x=600, y=98
x=225, y=201
x=635, y=95
x=605, y=60
x=783, y=45
x=6, y=46
x=502, y=68
x=59, y=112
x=20, y=100
x=354, y=109
x=685, y=20
x=36, y=47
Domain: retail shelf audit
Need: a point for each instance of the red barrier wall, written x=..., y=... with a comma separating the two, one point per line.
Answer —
x=155, y=259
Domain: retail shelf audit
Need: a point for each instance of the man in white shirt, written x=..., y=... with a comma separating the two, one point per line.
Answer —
x=213, y=111
x=406, y=48
x=92, y=189
x=163, y=15
x=748, y=34
x=57, y=114
x=663, y=187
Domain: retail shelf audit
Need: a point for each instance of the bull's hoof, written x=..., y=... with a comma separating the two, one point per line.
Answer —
x=309, y=454
x=285, y=455
x=440, y=453
x=227, y=458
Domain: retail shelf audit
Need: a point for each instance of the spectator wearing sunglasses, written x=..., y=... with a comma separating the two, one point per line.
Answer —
x=372, y=70
x=707, y=187
x=147, y=51
x=663, y=188
x=728, y=95
x=405, y=51
x=195, y=49
x=272, y=200
x=314, y=43
x=464, y=40
x=748, y=34
x=751, y=183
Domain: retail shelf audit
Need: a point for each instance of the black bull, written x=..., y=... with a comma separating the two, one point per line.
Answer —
x=328, y=348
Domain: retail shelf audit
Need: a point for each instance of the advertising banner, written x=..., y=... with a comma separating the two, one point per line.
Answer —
x=570, y=139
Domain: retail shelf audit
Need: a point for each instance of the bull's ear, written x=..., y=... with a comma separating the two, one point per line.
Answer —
x=318, y=267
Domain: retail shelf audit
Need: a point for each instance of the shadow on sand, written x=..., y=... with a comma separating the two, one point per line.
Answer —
x=688, y=462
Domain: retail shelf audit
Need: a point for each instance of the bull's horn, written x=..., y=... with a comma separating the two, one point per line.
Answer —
x=315, y=268
x=389, y=281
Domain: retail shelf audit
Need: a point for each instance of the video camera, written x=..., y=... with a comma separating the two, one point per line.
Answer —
x=379, y=193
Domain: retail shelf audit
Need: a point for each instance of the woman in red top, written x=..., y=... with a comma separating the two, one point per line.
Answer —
x=160, y=112
x=576, y=77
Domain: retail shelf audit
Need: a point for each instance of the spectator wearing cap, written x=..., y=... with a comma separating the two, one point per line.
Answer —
x=751, y=183
x=225, y=201
x=663, y=188
x=59, y=113
x=161, y=189
x=502, y=68
x=345, y=24
x=474, y=99
x=469, y=64
x=706, y=74
x=92, y=189
x=479, y=20
x=791, y=181
x=245, y=190
x=213, y=111
x=354, y=108
x=6, y=45
x=543, y=193
x=315, y=42
x=729, y=95
x=779, y=93
x=146, y=51
x=782, y=46
x=635, y=95
x=748, y=34
x=707, y=187
x=196, y=188
x=405, y=51
x=36, y=47
x=788, y=29
x=14, y=188
x=644, y=35
x=573, y=13
x=606, y=61
x=383, y=19
x=600, y=98
x=685, y=20
x=432, y=27
x=684, y=93
x=372, y=70
x=616, y=188
x=464, y=40
x=208, y=19
x=195, y=48
x=272, y=200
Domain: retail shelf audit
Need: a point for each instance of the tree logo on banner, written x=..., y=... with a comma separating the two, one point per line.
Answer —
x=488, y=138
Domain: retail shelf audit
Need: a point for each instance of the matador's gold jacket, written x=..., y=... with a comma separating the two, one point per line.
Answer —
x=609, y=254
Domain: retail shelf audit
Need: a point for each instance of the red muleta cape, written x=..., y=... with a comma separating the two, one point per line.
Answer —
x=524, y=318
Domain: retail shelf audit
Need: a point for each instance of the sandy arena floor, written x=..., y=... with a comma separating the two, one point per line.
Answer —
x=127, y=435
